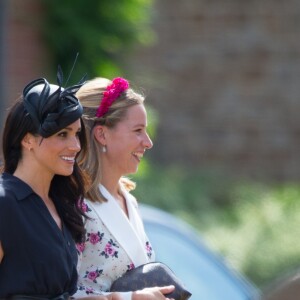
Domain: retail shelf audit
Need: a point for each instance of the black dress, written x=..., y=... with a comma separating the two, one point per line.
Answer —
x=39, y=257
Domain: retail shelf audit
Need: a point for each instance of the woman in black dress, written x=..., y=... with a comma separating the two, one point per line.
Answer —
x=41, y=191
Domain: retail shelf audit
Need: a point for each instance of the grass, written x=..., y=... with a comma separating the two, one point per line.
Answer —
x=255, y=226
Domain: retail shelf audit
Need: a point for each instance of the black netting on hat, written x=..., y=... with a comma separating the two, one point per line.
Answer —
x=51, y=107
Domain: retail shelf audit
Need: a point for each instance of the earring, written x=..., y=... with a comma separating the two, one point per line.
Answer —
x=104, y=149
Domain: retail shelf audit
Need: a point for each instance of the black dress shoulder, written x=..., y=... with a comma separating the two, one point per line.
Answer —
x=39, y=257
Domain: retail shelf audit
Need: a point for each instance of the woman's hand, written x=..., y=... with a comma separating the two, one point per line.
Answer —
x=152, y=293
x=112, y=296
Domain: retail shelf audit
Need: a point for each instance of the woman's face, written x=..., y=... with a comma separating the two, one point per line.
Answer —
x=127, y=142
x=56, y=154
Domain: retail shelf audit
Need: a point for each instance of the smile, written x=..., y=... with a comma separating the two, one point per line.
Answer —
x=138, y=155
x=68, y=158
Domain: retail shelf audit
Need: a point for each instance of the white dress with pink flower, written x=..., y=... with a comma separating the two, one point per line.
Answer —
x=114, y=244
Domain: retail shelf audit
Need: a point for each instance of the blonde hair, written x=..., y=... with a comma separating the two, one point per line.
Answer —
x=90, y=96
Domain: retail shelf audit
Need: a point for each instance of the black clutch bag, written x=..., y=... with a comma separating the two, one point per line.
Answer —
x=151, y=275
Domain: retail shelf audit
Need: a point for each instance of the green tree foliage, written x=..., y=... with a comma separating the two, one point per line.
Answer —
x=101, y=31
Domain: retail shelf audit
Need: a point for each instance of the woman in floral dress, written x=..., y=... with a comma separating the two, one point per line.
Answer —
x=116, y=122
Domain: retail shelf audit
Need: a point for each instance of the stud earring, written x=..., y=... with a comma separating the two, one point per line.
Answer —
x=104, y=149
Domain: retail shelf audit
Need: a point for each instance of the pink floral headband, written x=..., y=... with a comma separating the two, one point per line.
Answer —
x=112, y=92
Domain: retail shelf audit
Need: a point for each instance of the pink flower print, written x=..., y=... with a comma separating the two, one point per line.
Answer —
x=89, y=291
x=148, y=249
x=110, y=250
x=86, y=289
x=80, y=247
x=130, y=267
x=94, y=238
x=83, y=206
x=93, y=275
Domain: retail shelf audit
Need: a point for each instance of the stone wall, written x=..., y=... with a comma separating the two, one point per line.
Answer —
x=224, y=77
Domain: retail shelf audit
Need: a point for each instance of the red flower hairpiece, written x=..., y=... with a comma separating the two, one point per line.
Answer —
x=112, y=92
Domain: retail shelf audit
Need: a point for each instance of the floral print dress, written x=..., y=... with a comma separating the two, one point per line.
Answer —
x=114, y=244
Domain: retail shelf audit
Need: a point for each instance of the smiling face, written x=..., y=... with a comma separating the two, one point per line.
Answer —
x=56, y=154
x=127, y=142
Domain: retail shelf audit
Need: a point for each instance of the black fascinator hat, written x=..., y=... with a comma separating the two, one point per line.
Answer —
x=52, y=107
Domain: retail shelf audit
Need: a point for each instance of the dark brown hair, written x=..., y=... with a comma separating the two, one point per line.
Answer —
x=66, y=191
